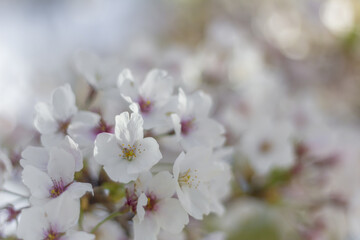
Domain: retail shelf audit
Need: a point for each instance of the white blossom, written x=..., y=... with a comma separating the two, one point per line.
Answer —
x=52, y=119
x=55, y=220
x=156, y=209
x=194, y=172
x=151, y=98
x=126, y=153
x=58, y=178
x=192, y=124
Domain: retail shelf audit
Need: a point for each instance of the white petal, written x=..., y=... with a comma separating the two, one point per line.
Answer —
x=44, y=121
x=158, y=85
x=31, y=224
x=128, y=130
x=127, y=85
x=38, y=182
x=162, y=185
x=119, y=172
x=147, y=155
x=177, y=125
x=171, y=215
x=53, y=139
x=63, y=211
x=35, y=156
x=73, y=148
x=141, y=203
x=63, y=100
x=147, y=229
x=106, y=149
x=78, y=189
x=194, y=202
x=61, y=166
x=203, y=103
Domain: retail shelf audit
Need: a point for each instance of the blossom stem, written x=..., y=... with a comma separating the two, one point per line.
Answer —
x=111, y=216
x=13, y=193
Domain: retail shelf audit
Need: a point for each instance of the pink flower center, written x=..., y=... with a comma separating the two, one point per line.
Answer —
x=52, y=234
x=187, y=126
x=102, y=127
x=58, y=188
x=151, y=202
x=145, y=105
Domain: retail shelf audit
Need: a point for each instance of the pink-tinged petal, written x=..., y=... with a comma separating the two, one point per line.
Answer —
x=147, y=155
x=61, y=166
x=35, y=156
x=147, y=229
x=128, y=130
x=119, y=172
x=162, y=185
x=168, y=208
x=78, y=189
x=38, y=182
x=44, y=120
x=107, y=150
x=63, y=101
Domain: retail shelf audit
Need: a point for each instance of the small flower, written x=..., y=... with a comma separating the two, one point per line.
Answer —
x=52, y=119
x=53, y=221
x=58, y=178
x=192, y=124
x=156, y=209
x=126, y=153
x=267, y=144
x=195, y=174
x=150, y=98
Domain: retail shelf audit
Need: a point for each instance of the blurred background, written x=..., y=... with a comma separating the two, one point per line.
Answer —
x=296, y=61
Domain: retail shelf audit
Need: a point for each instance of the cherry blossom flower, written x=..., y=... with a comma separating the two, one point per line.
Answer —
x=58, y=179
x=192, y=124
x=53, y=221
x=267, y=144
x=126, y=153
x=52, y=119
x=151, y=98
x=194, y=173
x=156, y=209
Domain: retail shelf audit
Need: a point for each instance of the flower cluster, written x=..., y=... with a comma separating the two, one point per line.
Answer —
x=165, y=153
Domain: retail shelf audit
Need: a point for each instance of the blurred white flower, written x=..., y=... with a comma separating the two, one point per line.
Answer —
x=55, y=220
x=126, y=153
x=267, y=144
x=149, y=98
x=52, y=119
x=192, y=124
x=156, y=209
